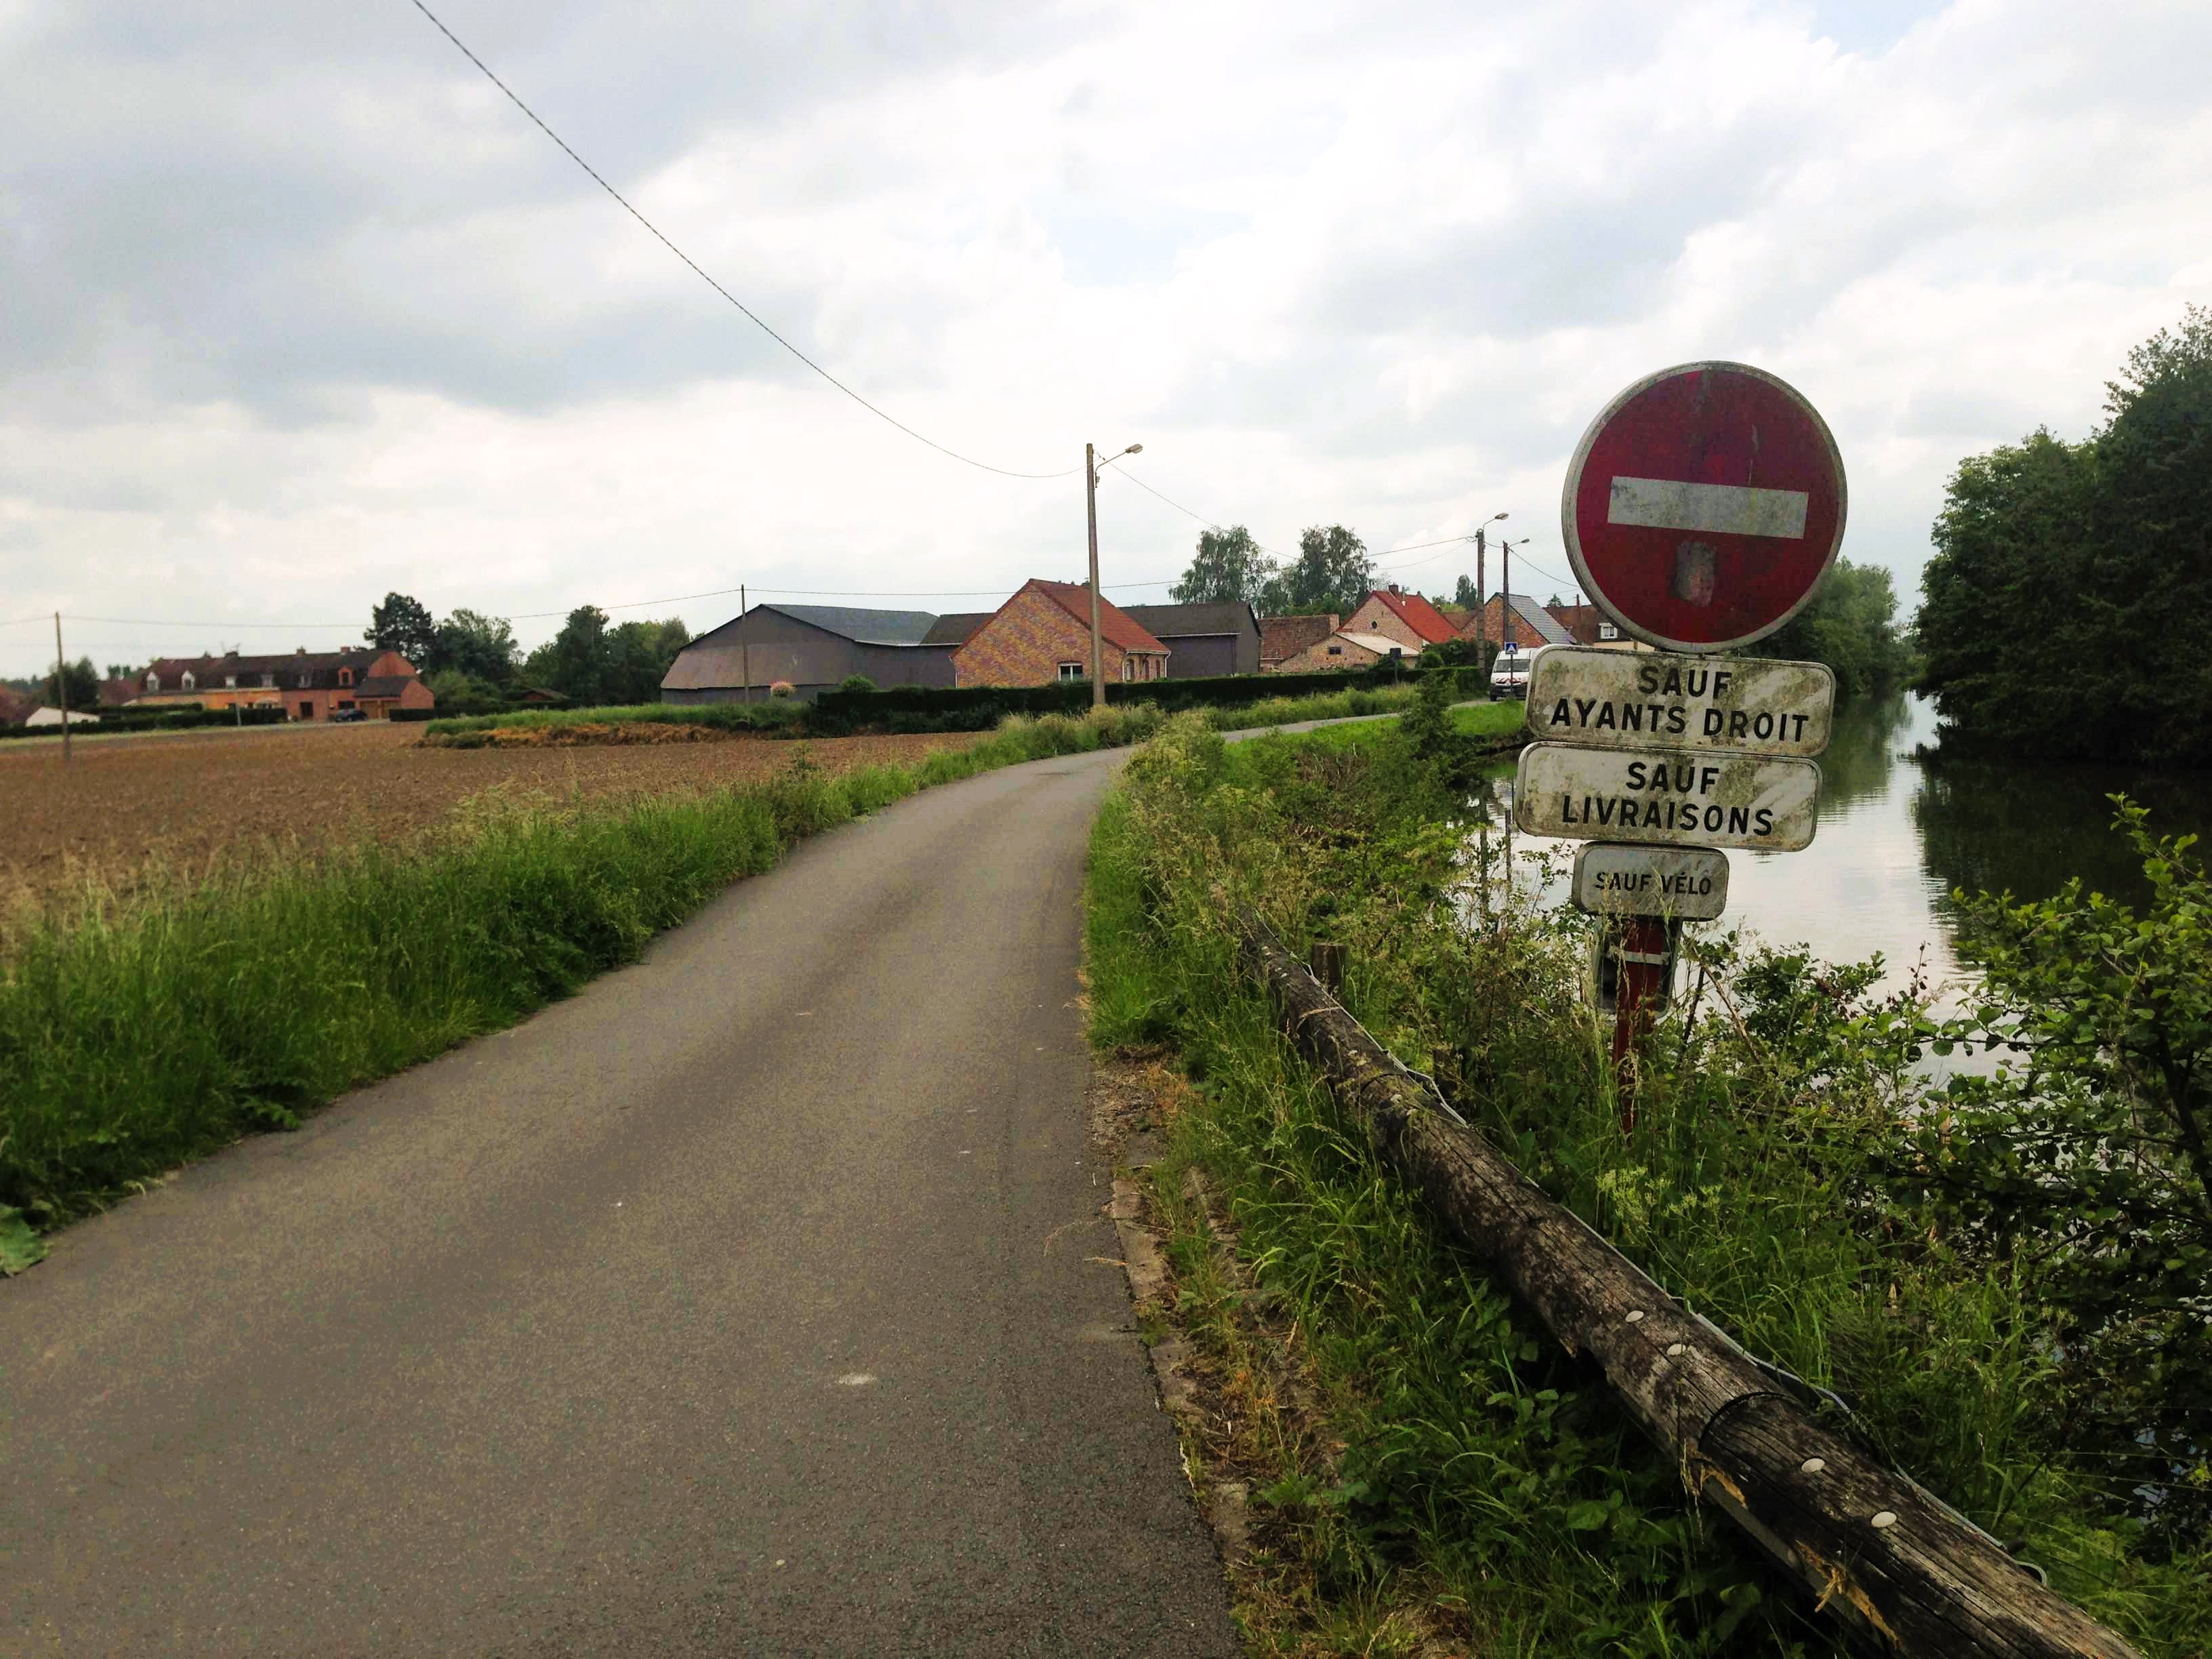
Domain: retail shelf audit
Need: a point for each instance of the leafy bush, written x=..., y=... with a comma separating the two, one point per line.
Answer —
x=2083, y=1160
x=1780, y=1176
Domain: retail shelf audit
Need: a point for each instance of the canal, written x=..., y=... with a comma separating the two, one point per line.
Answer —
x=1898, y=832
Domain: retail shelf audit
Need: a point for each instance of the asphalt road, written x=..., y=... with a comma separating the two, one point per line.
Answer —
x=747, y=1304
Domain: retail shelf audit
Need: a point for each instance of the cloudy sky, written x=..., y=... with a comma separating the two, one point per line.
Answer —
x=300, y=309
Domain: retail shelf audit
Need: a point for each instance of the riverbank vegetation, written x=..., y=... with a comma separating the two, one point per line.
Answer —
x=2058, y=614
x=1850, y=624
x=139, y=1031
x=1792, y=1173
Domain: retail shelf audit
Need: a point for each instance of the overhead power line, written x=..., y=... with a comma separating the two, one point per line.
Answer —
x=751, y=315
x=1215, y=524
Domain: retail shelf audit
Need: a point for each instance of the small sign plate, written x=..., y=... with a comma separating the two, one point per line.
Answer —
x=1689, y=884
x=1667, y=797
x=1621, y=699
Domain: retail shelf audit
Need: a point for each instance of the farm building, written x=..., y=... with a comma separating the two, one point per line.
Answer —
x=1043, y=634
x=813, y=648
x=1202, y=639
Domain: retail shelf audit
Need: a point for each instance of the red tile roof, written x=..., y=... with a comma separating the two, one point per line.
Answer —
x=1114, y=624
x=1418, y=614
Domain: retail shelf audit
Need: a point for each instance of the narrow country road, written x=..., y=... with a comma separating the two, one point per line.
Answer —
x=749, y=1303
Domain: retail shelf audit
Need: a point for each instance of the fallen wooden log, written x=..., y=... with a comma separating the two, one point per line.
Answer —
x=1905, y=1574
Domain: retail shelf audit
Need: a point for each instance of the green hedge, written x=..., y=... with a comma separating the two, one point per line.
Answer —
x=180, y=719
x=978, y=708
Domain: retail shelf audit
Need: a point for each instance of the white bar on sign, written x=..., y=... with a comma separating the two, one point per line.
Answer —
x=1727, y=509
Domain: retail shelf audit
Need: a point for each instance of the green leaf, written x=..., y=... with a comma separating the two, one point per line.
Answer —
x=20, y=1248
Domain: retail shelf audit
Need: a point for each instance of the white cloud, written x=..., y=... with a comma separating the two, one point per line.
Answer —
x=302, y=313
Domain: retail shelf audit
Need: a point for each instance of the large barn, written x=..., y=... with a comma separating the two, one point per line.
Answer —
x=813, y=648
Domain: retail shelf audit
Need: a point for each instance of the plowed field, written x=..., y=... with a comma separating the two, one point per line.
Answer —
x=191, y=801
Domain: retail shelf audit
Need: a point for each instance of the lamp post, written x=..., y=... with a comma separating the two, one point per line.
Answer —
x=1481, y=601
x=1092, y=466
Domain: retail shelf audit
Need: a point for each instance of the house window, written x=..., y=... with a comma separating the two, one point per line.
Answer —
x=268, y=681
x=345, y=702
x=1336, y=651
x=1607, y=631
x=346, y=678
x=307, y=711
x=1127, y=672
x=230, y=681
x=189, y=681
x=1071, y=671
x=153, y=682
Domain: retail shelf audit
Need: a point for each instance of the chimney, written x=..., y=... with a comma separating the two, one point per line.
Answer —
x=299, y=650
x=1393, y=590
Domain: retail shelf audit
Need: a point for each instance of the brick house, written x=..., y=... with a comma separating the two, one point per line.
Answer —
x=309, y=685
x=1589, y=626
x=1043, y=634
x=1406, y=617
x=1533, y=626
x=1282, y=638
x=1345, y=650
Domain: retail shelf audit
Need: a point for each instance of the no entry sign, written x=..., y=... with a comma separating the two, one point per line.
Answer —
x=1704, y=506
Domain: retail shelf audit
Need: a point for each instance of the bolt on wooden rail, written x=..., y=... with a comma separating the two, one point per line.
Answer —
x=1903, y=1572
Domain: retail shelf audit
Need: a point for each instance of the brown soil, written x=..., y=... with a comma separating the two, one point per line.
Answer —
x=191, y=801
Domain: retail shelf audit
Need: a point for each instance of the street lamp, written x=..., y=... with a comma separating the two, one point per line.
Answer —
x=1092, y=466
x=1481, y=600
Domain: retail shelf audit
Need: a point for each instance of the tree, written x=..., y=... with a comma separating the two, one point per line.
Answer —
x=1331, y=573
x=80, y=679
x=402, y=624
x=641, y=654
x=121, y=671
x=578, y=661
x=1851, y=625
x=2060, y=566
x=1229, y=566
x=1468, y=593
x=480, y=647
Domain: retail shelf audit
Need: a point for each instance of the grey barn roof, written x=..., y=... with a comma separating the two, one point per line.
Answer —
x=956, y=627
x=862, y=627
x=1540, y=619
x=1168, y=622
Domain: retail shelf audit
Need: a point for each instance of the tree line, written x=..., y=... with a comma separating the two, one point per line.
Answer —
x=473, y=658
x=2063, y=610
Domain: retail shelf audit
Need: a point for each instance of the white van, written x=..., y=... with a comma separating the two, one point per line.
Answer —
x=1509, y=674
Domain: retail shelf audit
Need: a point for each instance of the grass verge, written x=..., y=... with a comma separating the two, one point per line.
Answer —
x=781, y=715
x=137, y=1034
x=1457, y=1485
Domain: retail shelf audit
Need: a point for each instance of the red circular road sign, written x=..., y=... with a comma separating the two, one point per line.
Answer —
x=1704, y=506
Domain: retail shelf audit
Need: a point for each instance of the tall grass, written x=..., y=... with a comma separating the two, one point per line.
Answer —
x=1478, y=1470
x=138, y=1033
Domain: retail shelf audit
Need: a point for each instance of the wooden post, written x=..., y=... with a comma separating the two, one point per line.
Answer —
x=1641, y=991
x=1326, y=959
x=1877, y=1551
x=61, y=686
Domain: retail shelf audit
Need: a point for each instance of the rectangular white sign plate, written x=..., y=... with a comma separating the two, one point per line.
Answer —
x=1667, y=797
x=1636, y=699
x=1690, y=884
x=1715, y=509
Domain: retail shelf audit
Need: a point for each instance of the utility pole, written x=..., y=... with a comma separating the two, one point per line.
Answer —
x=1481, y=604
x=744, y=645
x=1097, y=647
x=61, y=685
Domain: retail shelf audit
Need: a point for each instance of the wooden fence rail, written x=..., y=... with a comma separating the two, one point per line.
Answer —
x=1905, y=1574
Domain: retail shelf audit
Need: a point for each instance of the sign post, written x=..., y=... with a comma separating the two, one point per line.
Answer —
x=1701, y=511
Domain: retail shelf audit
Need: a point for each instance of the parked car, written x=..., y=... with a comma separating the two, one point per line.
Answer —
x=1509, y=674
x=347, y=716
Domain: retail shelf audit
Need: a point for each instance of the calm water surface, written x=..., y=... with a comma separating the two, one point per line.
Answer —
x=1897, y=836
